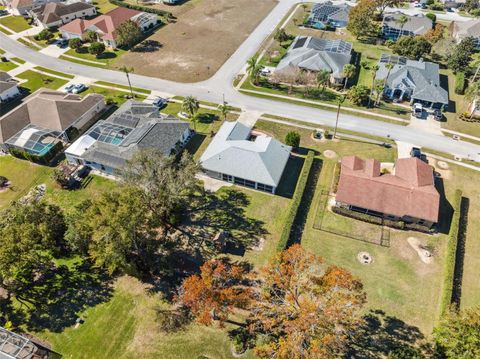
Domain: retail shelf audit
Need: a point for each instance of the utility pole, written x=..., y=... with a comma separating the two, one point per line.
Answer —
x=340, y=101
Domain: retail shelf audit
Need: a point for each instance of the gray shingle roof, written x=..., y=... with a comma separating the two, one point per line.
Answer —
x=417, y=24
x=464, y=29
x=262, y=160
x=422, y=76
x=134, y=126
x=315, y=54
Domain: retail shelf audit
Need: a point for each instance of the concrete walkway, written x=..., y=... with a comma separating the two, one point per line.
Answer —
x=403, y=149
x=249, y=118
x=21, y=68
x=54, y=51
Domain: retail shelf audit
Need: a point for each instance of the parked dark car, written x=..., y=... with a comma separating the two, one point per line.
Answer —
x=438, y=115
x=416, y=152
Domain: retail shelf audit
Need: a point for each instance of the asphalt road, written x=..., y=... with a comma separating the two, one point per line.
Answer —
x=220, y=84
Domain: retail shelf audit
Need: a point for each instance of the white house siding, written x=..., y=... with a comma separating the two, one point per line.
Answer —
x=68, y=35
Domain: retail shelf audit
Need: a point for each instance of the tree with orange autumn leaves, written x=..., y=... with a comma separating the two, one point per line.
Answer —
x=305, y=308
x=220, y=287
x=299, y=308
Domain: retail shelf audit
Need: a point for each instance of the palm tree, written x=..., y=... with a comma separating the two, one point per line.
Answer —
x=389, y=66
x=128, y=70
x=379, y=87
x=323, y=76
x=253, y=68
x=224, y=109
x=402, y=20
x=191, y=105
x=348, y=72
x=374, y=74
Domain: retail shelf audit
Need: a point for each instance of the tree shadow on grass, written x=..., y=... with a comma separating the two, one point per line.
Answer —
x=381, y=335
x=224, y=211
x=64, y=292
x=289, y=179
x=147, y=46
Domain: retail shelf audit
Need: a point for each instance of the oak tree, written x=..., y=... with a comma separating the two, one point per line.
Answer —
x=220, y=287
x=305, y=309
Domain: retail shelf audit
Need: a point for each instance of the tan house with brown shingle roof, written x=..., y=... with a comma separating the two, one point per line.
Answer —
x=22, y=7
x=45, y=118
x=408, y=195
x=56, y=14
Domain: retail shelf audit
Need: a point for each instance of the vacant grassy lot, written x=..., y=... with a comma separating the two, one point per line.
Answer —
x=22, y=176
x=125, y=327
x=202, y=39
x=37, y=80
x=15, y=23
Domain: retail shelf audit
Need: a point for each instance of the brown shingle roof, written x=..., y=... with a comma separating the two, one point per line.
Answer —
x=107, y=23
x=409, y=192
x=49, y=109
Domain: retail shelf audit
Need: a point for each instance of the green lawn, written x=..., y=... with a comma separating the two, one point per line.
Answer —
x=119, y=97
x=7, y=66
x=103, y=6
x=53, y=72
x=37, y=80
x=107, y=58
x=457, y=105
x=125, y=87
x=22, y=175
x=15, y=23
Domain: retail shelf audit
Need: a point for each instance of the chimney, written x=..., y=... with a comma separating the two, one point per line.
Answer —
x=372, y=167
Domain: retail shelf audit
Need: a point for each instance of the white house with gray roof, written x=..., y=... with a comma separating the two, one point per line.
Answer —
x=416, y=81
x=241, y=156
x=327, y=14
x=135, y=126
x=392, y=28
x=315, y=54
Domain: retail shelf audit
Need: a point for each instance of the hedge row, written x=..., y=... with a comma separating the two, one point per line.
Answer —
x=121, y=3
x=378, y=220
x=296, y=200
x=449, y=270
x=460, y=83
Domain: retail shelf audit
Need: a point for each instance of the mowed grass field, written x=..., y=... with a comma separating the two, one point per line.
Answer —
x=36, y=80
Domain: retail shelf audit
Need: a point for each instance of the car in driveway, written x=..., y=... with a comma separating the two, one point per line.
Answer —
x=79, y=88
x=61, y=43
x=438, y=115
x=416, y=152
x=417, y=110
x=69, y=88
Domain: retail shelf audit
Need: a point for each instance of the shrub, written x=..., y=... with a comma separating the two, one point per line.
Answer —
x=292, y=139
x=431, y=16
x=164, y=13
x=45, y=34
x=96, y=48
x=449, y=270
x=437, y=7
x=368, y=218
x=3, y=181
x=296, y=201
x=75, y=43
x=460, y=83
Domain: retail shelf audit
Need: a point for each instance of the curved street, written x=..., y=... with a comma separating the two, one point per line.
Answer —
x=220, y=84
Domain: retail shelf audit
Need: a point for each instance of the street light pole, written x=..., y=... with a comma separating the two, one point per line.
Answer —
x=340, y=101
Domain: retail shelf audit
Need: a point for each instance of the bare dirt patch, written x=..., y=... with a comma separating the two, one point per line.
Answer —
x=202, y=39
